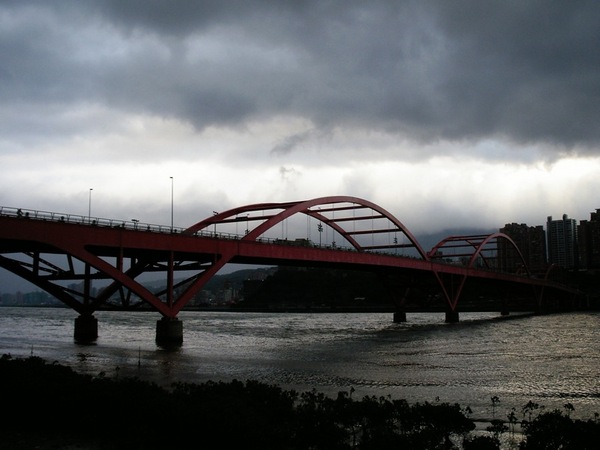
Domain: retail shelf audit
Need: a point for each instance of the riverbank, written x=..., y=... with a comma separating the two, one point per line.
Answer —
x=51, y=406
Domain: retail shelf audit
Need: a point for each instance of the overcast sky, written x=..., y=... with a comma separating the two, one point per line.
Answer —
x=448, y=114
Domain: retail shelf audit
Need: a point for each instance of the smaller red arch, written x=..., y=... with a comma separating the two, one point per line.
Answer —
x=497, y=236
x=477, y=243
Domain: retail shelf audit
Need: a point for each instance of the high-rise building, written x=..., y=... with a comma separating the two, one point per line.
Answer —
x=531, y=242
x=588, y=238
x=562, y=242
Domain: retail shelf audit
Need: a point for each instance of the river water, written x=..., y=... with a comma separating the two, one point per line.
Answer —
x=551, y=360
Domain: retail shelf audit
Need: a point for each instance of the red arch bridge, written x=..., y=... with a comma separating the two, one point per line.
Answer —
x=65, y=254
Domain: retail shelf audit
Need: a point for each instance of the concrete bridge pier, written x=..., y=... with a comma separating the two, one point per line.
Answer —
x=86, y=329
x=399, y=316
x=169, y=331
x=504, y=311
x=451, y=316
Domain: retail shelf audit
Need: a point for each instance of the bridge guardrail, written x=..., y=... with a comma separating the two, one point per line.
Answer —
x=136, y=225
x=85, y=220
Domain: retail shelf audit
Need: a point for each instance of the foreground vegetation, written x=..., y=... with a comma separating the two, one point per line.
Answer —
x=49, y=406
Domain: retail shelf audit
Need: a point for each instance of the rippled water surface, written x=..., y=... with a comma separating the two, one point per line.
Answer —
x=551, y=360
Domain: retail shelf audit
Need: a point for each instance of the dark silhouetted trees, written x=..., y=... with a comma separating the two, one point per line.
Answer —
x=49, y=406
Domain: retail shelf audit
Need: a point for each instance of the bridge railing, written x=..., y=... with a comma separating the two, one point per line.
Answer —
x=164, y=229
x=136, y=225
x=132, y=224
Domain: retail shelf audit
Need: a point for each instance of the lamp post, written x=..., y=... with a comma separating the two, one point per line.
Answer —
x=320, y=230
x=90, y=205
x=171, y=204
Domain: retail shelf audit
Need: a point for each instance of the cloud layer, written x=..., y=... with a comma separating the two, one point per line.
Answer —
x=465, y=111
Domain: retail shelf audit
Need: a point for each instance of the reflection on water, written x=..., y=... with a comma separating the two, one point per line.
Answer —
x=551, y=360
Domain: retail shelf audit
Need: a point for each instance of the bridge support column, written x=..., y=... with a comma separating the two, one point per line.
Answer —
x=169, y=331
x=86, y=329
x=451, y=316
x=504, y=310
x=399, y=316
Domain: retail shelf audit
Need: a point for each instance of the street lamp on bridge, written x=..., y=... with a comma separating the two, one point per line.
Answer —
x=90, y=205
x=320, y=229
x=171, y=204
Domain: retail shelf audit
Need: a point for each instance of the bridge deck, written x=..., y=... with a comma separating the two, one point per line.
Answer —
x=123, y=250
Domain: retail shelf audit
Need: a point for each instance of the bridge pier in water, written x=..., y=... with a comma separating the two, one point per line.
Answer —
x=399, y=316
x=169, y=331
x=452, y=316
x=86, y=329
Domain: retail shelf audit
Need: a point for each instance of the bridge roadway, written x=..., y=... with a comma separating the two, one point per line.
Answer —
x=54, y=251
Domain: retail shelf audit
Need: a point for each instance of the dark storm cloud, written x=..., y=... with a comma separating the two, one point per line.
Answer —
x=294, y=141
x=527, y=72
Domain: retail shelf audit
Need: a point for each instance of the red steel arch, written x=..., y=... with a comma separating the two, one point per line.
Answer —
x=478, y=243
x=317, y=208
x=475, y=246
